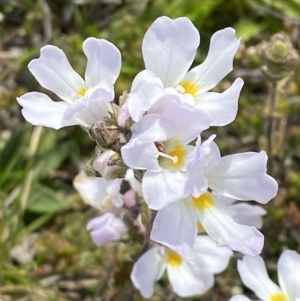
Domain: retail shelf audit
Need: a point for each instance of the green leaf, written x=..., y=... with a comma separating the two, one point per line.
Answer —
x=246, y=29
x=46, y=200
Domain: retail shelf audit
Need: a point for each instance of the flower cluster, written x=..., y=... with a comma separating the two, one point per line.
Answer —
x=151, y=141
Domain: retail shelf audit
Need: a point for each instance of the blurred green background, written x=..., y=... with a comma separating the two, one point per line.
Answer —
x=45, y=251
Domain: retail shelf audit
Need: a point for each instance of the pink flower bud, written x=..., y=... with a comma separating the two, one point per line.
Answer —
x=129, y=198
x=123, y=115
x=104, y=164
x=106, y=228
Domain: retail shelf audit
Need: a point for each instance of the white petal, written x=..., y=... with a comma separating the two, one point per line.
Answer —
x=253, y=273
x=187, y=281
x=212, y=154
x=147, y=89
x=246, y=214
x=239, y=298
x=91, y=108
x=134, y=183
x=104, y=61
x=163, y=188
x=226, y=201
x=221, y=227
x=221, y=107
x=289, y=273
x=169, y=47
x=189, y=123
x=218, y=64
x=91, y=189
x=175, y=227
x=195, y=162
x=209, y=256
x=147, y=269
x=138, y=154
x=243, y=177
x=54, y=72
x=39, y=109
x=153, y=128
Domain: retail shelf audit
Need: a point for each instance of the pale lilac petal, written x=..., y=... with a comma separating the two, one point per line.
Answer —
x=163, y=188
x=54, y=72
x=246, y=214
x=221, y=227
x=187, y=281
x=147, y=269
x=175, y=227
x=243, y=177
x=138, y=154
x=39, y=109
x=221, y=107
x=106, y=228
x=254, y=275
x=289, y=273
x=169, y=48
x=104, y=61
x=209, y=256
x=146, y=92
x=218, y=64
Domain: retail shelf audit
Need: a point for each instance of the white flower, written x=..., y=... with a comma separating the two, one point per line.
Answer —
x=106, y=228
x=241, y=176
x=159, y=145
x=186, y=277
x=254, y=275
x=169, y=48
x=99, y=193
x=84, y=101
x=105, y=195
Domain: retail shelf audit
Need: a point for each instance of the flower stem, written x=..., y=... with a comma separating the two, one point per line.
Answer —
x=271, y=126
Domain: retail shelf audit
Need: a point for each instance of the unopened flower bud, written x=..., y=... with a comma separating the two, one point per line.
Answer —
x=278, y=57
x=124, y=115
x=108, y=135
x=106, y=163
x=106, y=228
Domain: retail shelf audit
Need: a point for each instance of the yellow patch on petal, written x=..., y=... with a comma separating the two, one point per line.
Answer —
x=190, y=88
x=278, y=297
x=204, y=201
x=82, y=91
x=173, y=259
x=200, y=227
x=179, y=151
